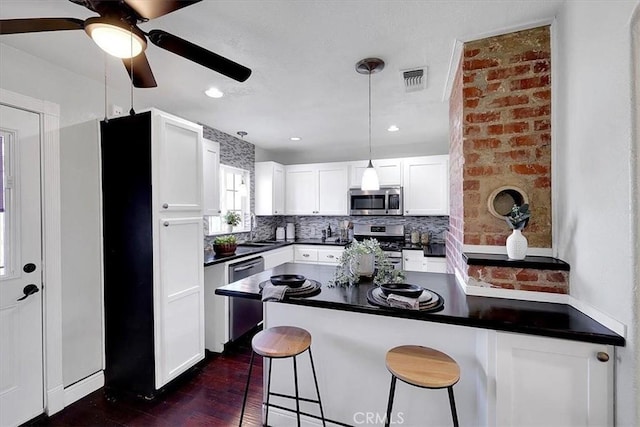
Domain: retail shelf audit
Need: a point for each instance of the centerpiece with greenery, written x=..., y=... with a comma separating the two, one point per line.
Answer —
x=225, y=245
x=365, y=259
x=232, y=219
x=517, y=219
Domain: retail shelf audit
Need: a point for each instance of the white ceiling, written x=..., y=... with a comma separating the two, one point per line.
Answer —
x=303, y=56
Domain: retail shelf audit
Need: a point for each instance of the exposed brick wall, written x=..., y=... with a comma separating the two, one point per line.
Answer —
x=456, y=163
x=524, y=279
x=506, y=103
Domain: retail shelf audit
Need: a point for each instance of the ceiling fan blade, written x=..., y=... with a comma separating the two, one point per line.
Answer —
x=153, y=9
x=199, y=55
x=141, y=76
x=35, y=25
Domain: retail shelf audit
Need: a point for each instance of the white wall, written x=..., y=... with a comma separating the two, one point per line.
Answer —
x=592, y=111
x=81, y=252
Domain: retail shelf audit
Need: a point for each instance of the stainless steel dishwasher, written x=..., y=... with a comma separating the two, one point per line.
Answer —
x=244, y=313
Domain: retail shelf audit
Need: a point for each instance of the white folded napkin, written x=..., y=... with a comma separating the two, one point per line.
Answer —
x=399, y=301
x=271, y=292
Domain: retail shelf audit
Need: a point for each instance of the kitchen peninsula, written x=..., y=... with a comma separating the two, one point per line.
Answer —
x=492, y=339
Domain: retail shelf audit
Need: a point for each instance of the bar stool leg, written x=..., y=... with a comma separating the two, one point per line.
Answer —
x=392, y=391
x=452, y=402
x=246, y=389
x=295, y=380
x=315, y=380
x=266, y=415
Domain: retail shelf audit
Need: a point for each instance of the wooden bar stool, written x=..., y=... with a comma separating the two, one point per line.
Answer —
x=422, y=367
x=278, y=343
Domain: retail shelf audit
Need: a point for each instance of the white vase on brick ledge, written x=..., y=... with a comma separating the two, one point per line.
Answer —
x=517, y=245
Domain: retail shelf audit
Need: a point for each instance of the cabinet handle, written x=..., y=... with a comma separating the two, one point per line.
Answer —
x=276, y=211
x=407, y=211
x=406, y=259
x=165, y=206
x=330, y=256
x=305, y=255
x=602, y=356
x=166, y=223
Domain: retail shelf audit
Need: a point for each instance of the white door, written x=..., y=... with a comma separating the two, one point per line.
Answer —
x=21, y=358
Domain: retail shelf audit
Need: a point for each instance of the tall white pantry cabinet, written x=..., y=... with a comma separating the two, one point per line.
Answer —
x=153, y=250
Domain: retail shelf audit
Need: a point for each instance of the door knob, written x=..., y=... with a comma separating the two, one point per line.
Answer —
x=29, y=290
x=602, y=356
x=29, y=268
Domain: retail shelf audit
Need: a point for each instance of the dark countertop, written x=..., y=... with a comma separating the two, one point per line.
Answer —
x=528, y=317
x=210, y=258
x=535, y=262
x=430, y=250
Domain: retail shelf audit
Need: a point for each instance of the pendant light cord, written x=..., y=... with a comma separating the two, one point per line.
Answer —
x=106, y=118
x=131, y=111
x=369, y=114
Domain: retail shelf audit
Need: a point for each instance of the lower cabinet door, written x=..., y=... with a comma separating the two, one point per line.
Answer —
x=553, y=382
x=178, y=297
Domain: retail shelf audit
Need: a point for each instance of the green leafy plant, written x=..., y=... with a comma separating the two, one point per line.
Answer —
x=225, y=240
x=348, y=267
x=519, y=216
x=232, y=218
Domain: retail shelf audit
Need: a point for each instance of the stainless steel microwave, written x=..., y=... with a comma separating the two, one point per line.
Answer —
x=385, y=201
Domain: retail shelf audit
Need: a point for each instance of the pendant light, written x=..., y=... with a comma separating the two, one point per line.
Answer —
x=370, y=177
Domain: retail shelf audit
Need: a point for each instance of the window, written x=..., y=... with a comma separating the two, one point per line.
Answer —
x=234, y=197
x=6, y=206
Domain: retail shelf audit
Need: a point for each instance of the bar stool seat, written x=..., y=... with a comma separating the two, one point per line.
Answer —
x=282, y=342
x=422, y=367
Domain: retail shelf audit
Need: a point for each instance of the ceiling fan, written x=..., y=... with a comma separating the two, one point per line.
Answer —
x=116, y=31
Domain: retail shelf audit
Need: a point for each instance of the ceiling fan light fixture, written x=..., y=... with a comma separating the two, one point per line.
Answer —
x=115, y=38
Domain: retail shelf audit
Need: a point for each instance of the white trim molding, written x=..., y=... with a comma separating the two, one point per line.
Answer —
x=51, y=242
x=83, y=387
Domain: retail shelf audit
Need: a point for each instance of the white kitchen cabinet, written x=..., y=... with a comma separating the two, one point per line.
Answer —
x=312, y=254
x=270, y=188
x=177, y=163
x=153, y=250
x=389, y=172
x=426, y=185
x=276, y=257
x=414, y=260
x=316, y=189
x=211, y=177
x=552, y=382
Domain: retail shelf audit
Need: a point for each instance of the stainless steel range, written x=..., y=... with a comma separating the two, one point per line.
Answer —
x=390, y=237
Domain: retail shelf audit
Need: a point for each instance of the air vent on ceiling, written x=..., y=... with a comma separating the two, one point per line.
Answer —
x=415, y=79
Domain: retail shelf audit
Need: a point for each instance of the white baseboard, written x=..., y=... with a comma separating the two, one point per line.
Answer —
x=586, y=309
x=83, y=388
x=55, y=400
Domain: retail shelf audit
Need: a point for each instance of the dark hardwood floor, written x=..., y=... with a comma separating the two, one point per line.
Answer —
x=209, y=396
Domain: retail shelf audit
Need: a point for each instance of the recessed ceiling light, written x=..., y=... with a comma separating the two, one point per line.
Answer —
x=214, y=92
x=393, y=128
x=295, y=138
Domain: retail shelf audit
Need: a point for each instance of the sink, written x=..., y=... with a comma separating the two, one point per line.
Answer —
x=258, y=244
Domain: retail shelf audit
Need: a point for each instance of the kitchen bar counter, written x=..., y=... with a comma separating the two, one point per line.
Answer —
x=527, y=317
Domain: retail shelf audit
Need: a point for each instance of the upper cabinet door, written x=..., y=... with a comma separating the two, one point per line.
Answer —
x=301, y=194
x=179, y=160
x=270, y=190
x=332, y=189
x=211, y=177
x=426, y=185
x=389, y=172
